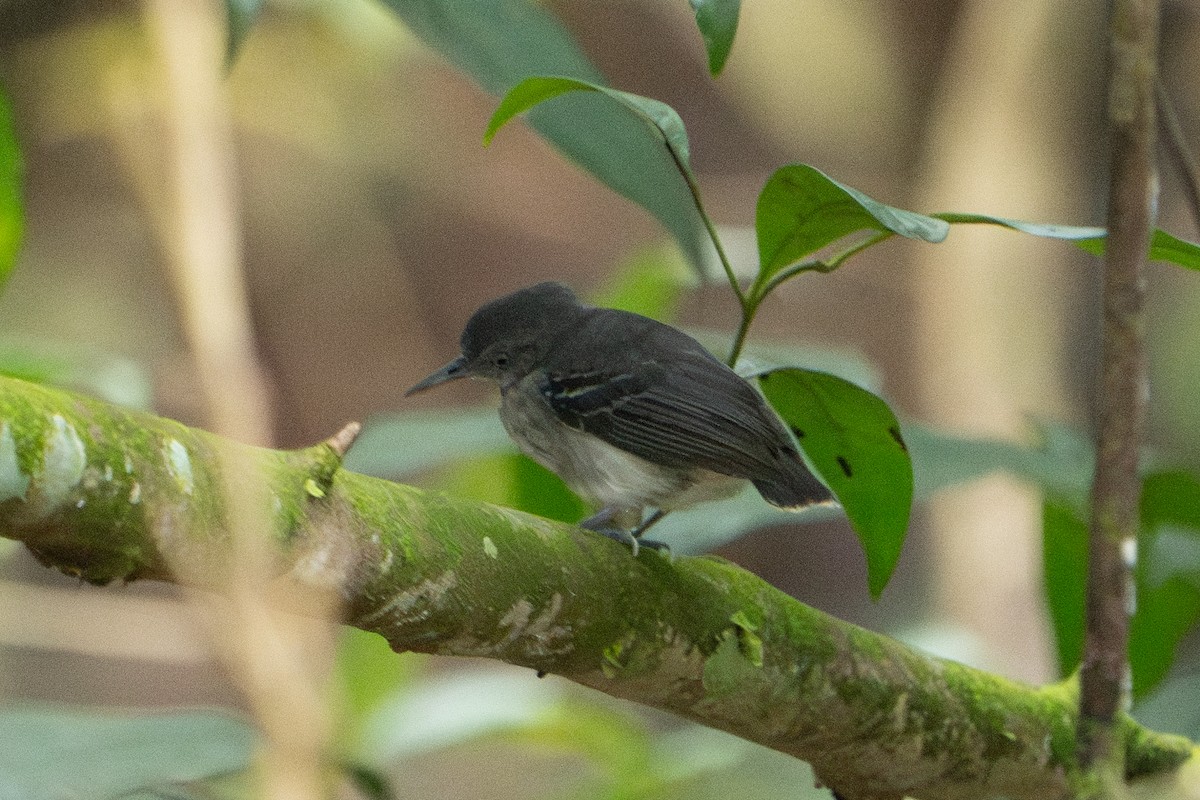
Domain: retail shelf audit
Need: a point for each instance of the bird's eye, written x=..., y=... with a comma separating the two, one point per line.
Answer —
x=500, y=360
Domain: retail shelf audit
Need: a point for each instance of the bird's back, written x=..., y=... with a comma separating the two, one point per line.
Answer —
x=654, y=391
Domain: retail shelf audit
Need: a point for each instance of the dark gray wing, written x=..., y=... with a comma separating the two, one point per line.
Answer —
x=690, y=412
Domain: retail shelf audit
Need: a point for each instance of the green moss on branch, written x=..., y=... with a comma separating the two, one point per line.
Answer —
x=109, y=494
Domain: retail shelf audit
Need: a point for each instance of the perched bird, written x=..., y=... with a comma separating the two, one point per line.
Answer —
x=629, y=412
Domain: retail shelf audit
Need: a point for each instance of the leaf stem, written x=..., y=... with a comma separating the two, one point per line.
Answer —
x=690, y=179
x=824, y=264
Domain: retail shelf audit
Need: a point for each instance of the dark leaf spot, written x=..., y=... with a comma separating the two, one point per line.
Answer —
x=541, y=673
x=895, y=433
x=763, y=378
x=845, y=465
x=799, y=433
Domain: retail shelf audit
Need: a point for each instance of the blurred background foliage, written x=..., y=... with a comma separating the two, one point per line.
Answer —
x=371, y=222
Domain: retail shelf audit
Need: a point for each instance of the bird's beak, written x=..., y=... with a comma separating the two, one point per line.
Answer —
x=453, y=371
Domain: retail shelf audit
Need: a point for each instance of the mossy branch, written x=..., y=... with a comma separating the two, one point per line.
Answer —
x=108, y=494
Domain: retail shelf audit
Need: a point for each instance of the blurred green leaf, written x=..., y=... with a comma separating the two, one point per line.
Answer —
x=763, y=355
x=1064, y=572
x=707, y=527
x=455, y=707
x=1168, y=589
x=371, y=783
x=79, y=368
x=12, y=219
x=1168, y=575
x=53, y=753
x=1165, y=614
x=502, y=42
x=1060, y=459
x=650, y=283
x=240, y=16
x=853, y=440
x=1171, y=498
x=616, y=742
x=1172, y=706
x=516, y=481
x=370, y=673
x=395, y=445
x=801, y=210
x=717, y=21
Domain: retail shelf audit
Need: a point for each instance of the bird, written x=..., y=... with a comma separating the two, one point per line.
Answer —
x=633, y=414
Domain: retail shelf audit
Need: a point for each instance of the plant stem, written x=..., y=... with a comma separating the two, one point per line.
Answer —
x=1123, y=389
x=749, y=307
x=1176, y=141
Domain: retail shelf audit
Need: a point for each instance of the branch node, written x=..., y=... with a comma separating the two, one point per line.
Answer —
x=341, y=441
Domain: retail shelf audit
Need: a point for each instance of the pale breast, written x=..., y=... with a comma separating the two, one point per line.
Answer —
x=601, y=473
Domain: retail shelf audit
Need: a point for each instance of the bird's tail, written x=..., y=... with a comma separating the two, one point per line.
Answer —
x=794, y=489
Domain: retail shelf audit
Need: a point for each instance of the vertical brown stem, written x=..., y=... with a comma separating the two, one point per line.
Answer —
x=1123, y=391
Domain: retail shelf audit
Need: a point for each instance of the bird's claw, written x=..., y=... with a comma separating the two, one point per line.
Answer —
x=602, y=523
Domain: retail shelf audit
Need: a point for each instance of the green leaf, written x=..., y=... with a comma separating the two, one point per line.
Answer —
x=1064, y=572
x=1066, y=232
x=394, y=445
x=1165, y=615
x=79, y=368
x=516, y=481
x=12, y=218
x=51, y=753
x=657, y=116
x=240, y=16
x=369, y=674
x=717, y=21
x=454, y=707
x=853, y=440
x=1163, y=246
x=1171, y=498
x=1168, y=589
x=801, y=210
x=370, y=782
x=650, y=283
x=1060, y=459
x=1168, y=575
x=502, y=42
x=1172, y=707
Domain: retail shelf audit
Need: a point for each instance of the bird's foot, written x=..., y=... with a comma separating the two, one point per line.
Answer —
x=616, y=534
x=607, y=522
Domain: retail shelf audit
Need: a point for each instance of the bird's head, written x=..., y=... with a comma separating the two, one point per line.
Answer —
x=507, y=338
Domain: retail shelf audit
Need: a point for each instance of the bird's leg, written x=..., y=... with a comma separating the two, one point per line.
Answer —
x=648, y=523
